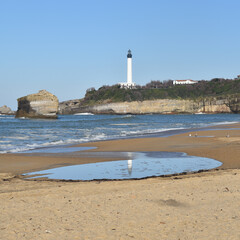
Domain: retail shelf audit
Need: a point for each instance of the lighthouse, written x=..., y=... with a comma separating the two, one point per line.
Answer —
x=129, y=68
x=129, y=83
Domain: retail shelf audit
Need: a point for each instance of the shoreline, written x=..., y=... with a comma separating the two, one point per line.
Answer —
x=211, y=143
x=21, y=147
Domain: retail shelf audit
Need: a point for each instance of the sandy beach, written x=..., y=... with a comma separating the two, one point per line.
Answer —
x=194, y=206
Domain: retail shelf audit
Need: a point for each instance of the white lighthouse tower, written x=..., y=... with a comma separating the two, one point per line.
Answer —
x=129, y=68
x=129, y=83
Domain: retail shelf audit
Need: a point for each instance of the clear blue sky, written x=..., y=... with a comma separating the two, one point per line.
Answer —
x=67, y=46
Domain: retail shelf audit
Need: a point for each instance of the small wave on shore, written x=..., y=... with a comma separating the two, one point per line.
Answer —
x=224, y=123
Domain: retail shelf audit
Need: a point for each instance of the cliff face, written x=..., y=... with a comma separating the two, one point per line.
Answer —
x=234, y=105
x=146, y=107
x=215, y=106
x=165, y=106
x=39, y=105
x=162, y=106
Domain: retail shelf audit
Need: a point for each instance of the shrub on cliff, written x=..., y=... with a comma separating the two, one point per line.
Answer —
x=217, y=87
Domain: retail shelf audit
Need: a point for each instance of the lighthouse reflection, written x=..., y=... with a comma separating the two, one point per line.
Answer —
x=130, y=167
x=129, y=163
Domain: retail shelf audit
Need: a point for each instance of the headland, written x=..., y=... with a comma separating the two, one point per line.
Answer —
x=216, y=96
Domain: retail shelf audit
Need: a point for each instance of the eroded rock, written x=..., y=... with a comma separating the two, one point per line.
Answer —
x=39, y=105
x=6, y=110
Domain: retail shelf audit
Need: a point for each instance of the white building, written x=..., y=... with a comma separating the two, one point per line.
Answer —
x=188, y=81
x=129, y=83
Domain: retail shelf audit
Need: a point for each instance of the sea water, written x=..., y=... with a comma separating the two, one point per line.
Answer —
x=20, y=135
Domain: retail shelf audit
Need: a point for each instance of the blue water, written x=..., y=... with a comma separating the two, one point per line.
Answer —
x=139, y=165
x=18, y=135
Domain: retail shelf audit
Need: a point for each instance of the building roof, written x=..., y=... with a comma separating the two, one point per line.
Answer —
x=186, y=80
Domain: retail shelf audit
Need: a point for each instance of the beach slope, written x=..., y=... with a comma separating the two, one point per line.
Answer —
x=194, y=206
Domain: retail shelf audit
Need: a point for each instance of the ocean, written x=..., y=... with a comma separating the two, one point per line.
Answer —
x=21, y=135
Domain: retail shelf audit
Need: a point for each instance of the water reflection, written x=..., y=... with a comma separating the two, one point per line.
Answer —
x=129, y=167
x=145, y=165
x=130, y=162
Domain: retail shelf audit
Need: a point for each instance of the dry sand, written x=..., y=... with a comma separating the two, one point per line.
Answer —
x=193, y=206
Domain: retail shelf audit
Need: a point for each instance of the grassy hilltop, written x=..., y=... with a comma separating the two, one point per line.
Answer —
x=217, y=87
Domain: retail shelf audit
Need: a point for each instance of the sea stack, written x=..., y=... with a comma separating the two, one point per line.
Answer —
x=5, y=110
x=38, y=105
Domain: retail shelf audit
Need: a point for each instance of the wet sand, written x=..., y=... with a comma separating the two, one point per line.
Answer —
x=194, y=206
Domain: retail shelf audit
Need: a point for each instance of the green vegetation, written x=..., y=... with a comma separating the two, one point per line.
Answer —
x=217, y=87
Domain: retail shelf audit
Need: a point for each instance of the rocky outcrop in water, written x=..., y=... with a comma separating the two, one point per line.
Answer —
x=39, y=105
x=6, y=110
x=161, y=106
x=70, y=107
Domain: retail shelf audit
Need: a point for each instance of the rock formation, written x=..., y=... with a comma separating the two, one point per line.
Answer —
x=161, y=106
x=214, y=105
x=39, y=105
x=70, y=107
x=234, y=104
x=6, y=110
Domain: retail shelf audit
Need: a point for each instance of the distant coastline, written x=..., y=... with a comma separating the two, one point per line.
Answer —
x=215, y=96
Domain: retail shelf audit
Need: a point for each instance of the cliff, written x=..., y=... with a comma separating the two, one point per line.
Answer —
x=161, y=106
x=39, y=105
x=234, y=104
x=216, y=96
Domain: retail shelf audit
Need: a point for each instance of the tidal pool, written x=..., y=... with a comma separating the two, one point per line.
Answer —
x=139, y=165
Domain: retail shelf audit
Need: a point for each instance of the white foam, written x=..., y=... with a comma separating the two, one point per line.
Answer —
x=6, y=145
x=6, y=116
x=223, y=123
x=19, y=137
x=127, y=124
x=27, y=147
x=127, y=116
x=85, y=114
x=148, y=131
